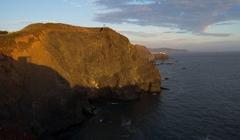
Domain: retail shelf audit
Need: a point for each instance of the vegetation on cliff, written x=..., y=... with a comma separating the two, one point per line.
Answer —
x=48, y=71
x=89, y=58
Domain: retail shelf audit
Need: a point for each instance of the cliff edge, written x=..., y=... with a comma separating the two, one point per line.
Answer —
x=95, y=61
x=48, y=71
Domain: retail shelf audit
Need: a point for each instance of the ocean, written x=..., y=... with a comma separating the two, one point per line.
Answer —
x=202, y=103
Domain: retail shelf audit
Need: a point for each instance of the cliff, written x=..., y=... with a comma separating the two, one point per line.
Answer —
x=48, y=71
x=96, y=61
x=145, y=53
x=35, y=100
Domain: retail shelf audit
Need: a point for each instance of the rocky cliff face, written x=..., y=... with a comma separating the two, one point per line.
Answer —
x=35, y=99
x=97, y=61
x=47, y=72
x=145, y=53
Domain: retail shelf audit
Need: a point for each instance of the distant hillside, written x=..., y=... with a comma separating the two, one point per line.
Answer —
x=167, y=50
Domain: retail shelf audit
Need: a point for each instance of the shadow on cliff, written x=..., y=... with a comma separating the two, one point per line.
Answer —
x=36, y=100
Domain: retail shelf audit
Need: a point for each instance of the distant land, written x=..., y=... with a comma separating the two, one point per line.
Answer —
x=167, y=50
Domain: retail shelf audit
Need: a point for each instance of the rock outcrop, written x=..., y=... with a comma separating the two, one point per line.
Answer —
x=97, y=61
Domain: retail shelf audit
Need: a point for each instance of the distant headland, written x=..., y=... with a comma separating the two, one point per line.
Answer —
x=168, y=50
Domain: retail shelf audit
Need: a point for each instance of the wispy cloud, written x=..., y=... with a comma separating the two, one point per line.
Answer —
x=225, y=23
x=190, y=15
x=200, y=33
x=214, y=34
x=175, y=32
x=17, y=21
x=139, y=34
x=78, y=3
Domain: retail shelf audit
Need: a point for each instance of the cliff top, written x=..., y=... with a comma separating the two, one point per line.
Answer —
x=62, y=27
x=41, y=31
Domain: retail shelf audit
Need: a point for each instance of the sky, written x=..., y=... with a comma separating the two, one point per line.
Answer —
x=196, y=25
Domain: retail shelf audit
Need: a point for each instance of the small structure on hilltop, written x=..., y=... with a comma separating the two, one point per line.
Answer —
x=24, y=59
x=3, y=57
x=3, y=32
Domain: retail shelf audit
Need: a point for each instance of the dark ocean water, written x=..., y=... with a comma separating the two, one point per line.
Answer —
x=203, y=103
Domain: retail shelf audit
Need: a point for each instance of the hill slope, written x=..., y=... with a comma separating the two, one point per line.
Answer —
x=36, y=99
x=88, y=58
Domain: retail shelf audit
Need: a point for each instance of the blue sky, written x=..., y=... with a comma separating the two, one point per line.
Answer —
x=201, y=25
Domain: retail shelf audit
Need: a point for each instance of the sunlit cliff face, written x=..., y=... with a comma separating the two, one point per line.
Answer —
x=87, y=57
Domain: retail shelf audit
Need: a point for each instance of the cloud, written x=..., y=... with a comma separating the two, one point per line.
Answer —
x=214, y=34
x=225, y=23
x=17, y=21
x=175, y=32
x=139, y=34
x=190, y=15
x=78, y=3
